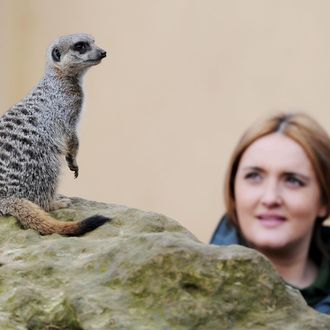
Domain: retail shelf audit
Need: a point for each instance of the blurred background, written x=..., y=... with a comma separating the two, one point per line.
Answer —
x=183, y=79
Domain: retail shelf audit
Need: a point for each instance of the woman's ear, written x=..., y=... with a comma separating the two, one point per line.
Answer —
x=323, y=212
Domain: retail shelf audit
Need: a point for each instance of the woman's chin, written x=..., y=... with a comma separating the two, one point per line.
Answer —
x=268, y=244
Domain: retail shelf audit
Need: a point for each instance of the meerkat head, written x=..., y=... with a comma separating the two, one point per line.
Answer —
x=74, y=54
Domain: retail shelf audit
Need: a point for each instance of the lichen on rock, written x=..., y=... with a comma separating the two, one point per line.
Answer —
x=140, y=271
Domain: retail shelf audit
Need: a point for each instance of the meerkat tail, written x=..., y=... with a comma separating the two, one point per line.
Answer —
x=31, y=216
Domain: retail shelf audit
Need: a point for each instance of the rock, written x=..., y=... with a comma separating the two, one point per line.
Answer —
x=141, y=271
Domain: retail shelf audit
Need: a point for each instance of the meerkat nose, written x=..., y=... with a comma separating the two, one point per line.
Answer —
x=103, y=53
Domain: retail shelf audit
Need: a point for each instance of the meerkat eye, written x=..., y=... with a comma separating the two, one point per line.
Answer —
x=81, y=47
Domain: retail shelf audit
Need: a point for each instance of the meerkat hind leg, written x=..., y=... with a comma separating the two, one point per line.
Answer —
x=60, y=202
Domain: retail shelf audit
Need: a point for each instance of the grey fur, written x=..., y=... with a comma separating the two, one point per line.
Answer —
x=37, y=132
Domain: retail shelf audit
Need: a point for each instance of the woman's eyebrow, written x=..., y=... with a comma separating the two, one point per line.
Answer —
x=287, y=173
x=300, y=175
x=253, y=168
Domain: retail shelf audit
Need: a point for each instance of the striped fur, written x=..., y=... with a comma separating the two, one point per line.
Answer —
x=39, y=131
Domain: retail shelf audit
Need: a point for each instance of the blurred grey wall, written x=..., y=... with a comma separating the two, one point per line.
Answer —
x=183, y=80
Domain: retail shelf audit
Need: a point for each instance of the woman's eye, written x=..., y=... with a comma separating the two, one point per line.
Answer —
x=253, y=177
x=294, y=181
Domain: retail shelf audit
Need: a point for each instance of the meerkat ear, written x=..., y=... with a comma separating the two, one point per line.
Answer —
x=56, y=55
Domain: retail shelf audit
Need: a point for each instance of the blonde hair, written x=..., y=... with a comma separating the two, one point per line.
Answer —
x=302, y=129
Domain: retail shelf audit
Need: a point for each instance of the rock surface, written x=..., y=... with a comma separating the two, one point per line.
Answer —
x=141, y=271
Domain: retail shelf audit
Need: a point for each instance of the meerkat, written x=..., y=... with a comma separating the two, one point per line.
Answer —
x=40, y=131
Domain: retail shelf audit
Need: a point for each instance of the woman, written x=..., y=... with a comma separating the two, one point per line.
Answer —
x=277, y=197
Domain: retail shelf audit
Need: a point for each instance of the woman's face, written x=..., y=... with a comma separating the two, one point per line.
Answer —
x=277, y=194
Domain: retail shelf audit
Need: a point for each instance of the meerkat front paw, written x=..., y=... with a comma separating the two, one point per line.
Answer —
x=73, y=166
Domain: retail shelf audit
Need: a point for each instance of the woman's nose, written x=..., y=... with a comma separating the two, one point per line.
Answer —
x=271, y=195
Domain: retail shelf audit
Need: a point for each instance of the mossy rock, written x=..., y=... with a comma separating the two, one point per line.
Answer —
x=140, y=271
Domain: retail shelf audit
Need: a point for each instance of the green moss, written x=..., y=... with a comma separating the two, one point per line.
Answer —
x=63, y=316
x=142, y=271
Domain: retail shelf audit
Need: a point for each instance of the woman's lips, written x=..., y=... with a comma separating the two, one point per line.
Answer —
x=271, y=220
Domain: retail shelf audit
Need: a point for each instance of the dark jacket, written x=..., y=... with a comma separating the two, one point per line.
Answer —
x=226, y=234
